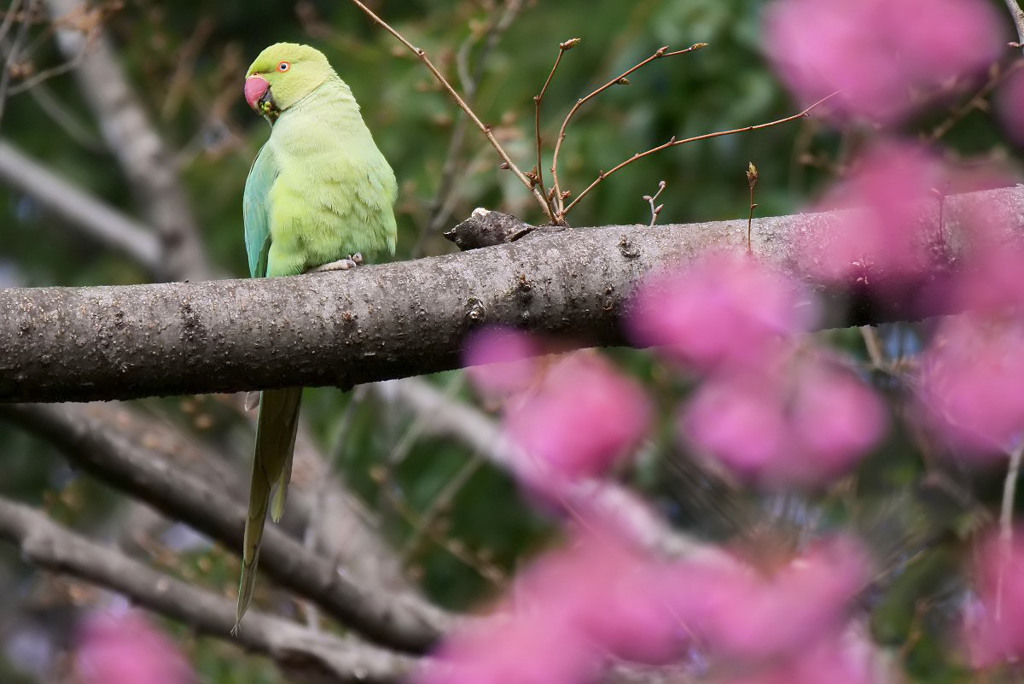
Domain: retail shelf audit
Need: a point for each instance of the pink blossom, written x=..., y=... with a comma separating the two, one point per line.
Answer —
x=720, y=309
x=970, y=382
x=884, y=238
x=880, y=54
x=566, y=615
x=127, y=649
x=801, y=422
x=517, y=649
x=994, y=618
x=748, y=615
x=580, y=419
x=501, y=361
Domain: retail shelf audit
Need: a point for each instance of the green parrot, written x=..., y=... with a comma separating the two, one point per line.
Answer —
x=319, y=197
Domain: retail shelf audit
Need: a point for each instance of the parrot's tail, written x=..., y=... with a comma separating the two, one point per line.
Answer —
x=272, y=464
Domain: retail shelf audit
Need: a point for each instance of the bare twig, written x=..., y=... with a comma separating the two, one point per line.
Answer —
x=559, y=199
x=304, y=654
x=132, y=138
x=13, y=52
x=1006, y=519
x=441, y=206
x=752, y=183
x=537, y=102
x=484, y=128
x=673, y=142
x=651, y=199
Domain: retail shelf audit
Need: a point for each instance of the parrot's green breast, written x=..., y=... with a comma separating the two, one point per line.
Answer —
x=320, y=190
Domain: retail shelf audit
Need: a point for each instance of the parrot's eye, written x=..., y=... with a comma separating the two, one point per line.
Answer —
x=284, y=66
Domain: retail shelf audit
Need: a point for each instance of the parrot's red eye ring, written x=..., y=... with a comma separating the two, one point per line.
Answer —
x=284, y=66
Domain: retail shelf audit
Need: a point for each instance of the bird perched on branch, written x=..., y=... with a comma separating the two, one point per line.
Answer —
x=319, y=197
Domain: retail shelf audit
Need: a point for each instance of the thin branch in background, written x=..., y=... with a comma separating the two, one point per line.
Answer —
x=752, y=183
x=1006, y=520
x=707, y=136
x=873, y=346
x=51, y=546
x=79, y=209
x=399, y=619
x=651, y=199
x=484, y=128
x=979, y=101
x=12, y=54
x=1018, y=20
x=440, y=209
x=661, y=52
x=441, y=502
x=538, y=100
x=398, y=454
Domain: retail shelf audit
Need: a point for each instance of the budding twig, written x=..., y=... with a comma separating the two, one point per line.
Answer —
x=507, y=162
x=752, y=183
x=621, y=79
x=672, y=142
x=655, y=210
x=537, y=100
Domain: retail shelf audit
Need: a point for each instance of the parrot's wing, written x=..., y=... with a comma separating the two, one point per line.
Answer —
x=256, y=210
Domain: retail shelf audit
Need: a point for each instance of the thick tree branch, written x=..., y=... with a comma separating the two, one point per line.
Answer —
x=132, y=138
x=396, y=619
x=396, y=320
x=305, y=654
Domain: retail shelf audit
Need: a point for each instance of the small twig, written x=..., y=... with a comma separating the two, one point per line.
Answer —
x=538, y=100
x=1018, y=20
x=1006, y=520
x=440, y=209
x=484, y=128
x=559, y=198
x=873, y=346
x=674, y=142
x=12, y=54
x=752, y=183
x=655, y=210
x=976, y=102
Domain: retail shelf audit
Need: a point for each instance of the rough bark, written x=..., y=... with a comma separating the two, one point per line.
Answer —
x=394, y=320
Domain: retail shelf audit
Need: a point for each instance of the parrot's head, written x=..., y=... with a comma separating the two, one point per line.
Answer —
x=283, y=74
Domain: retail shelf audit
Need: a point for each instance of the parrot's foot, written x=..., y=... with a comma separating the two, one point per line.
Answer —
x=345, y=264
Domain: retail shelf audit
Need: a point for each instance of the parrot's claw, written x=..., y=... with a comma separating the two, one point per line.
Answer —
x=345, y=264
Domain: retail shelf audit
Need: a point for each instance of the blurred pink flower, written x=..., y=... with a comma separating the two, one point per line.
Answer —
x=128, y=649
x=994, y=619
x=970, y=382
x=801, y=422
x=721, y=309
x=512, y=649
x=565, y=616
x=581, y=417
x=501, y=361
x=883, y=238
x=742, y=613
x=881, y=54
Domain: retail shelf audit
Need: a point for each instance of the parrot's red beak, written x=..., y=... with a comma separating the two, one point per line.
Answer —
x=256, y=90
